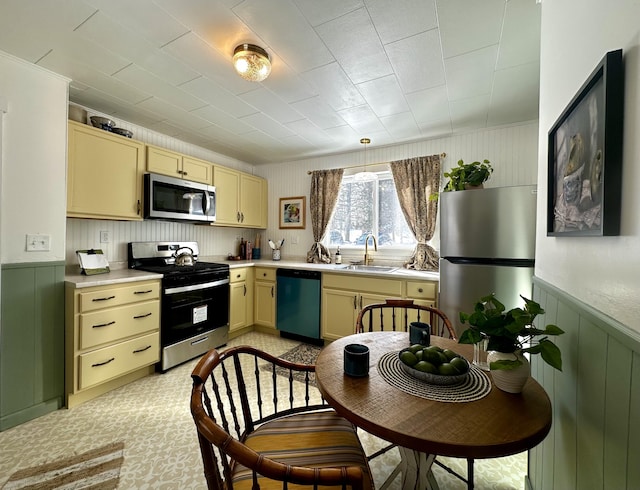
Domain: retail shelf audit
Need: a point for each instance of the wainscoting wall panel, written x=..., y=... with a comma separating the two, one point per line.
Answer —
x=595, y=438
x=31, y=341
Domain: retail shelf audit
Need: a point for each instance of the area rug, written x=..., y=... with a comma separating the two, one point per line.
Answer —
x=301, y=354
x=98, y=469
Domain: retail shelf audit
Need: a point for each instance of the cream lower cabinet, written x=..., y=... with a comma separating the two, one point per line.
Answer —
x=112, y=337
x=343, y=296
x=422, y=293
x=173, y=164
x=241, y=199
x=265, y=297
x=241, y=299
x=104, y=174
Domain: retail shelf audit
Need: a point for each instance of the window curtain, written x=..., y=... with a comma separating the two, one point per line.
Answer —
x=325, y=186
x=416, y=179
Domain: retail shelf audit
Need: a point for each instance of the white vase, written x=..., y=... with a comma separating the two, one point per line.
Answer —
x=513, y=380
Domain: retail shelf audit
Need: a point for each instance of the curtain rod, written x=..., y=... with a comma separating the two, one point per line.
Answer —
x=309, y=172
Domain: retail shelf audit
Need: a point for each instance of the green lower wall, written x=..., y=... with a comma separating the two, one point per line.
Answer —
x=595, y=438
x=31, y=341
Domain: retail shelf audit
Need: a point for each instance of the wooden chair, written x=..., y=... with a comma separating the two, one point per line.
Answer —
x=270, y=427
x=397, y=314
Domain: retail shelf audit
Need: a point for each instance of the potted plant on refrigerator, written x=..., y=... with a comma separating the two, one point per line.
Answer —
x=468, y=175
x=510, y=334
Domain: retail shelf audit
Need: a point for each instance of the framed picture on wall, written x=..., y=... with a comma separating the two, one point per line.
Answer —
x=292, y=212
x=585, y=156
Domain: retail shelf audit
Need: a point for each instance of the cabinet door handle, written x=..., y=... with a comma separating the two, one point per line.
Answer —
x=245, y=290
x=103, y=324
x=242, y=219
x=143, y=292
x=139, y=207
x=238, y=216
x=272, y=291
x=184, y=173
x=355, y=302
x=103, y=299
x=360, y=302
x=142, y=316
x=137, y=351
x=103, y=363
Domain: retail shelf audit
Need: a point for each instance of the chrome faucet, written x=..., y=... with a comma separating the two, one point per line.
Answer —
x=367, y=259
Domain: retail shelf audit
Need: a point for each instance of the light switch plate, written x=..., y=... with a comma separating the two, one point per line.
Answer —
x=38, y=243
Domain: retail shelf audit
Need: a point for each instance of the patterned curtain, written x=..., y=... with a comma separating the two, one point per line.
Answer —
x=416, y=179
x=325, y=186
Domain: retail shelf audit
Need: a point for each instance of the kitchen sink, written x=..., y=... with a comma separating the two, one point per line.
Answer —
x=368, y=268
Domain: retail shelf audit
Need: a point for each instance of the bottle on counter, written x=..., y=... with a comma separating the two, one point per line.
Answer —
x=243, y=249
x=249, y=251
x=338, y=256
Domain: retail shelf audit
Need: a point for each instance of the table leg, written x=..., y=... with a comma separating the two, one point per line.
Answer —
x=416, y=470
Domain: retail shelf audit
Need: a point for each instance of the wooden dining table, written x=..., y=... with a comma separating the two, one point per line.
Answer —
x=497, y=424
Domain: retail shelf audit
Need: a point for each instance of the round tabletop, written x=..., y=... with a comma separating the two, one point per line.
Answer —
x=499, y=424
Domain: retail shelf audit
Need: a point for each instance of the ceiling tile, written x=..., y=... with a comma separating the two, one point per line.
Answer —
x=471, y=73
x=397, y=20
x=267, y=125
x=268, y=103
x=334, y=86
x=384, y=96
x=362, y=119
x=401, y=126
x=515, y=95
x=466, y=26
x=469, y=113
x=429, y=105
x=309, y=131
x=355, y=44
x=417, y=61
x=222, y=119
x=320, y=12
x=217, y=96
x=520, y=41
x=318, y=112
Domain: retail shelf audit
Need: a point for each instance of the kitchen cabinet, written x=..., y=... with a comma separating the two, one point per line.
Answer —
x=241, y=300
x=104, y=174
x=112, y=337
x=173, y=164
x=422, y=293
x=265, y=297
x=343, y=296
x=241, y=198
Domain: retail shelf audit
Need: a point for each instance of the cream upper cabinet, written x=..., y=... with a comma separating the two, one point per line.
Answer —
x=241, y=199
x=167, y=162
x=104, y=175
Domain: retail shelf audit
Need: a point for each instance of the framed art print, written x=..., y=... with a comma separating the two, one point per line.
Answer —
x=585, y=156
x=292, y=212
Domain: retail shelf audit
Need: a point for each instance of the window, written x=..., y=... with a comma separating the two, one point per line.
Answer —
x=369, y=207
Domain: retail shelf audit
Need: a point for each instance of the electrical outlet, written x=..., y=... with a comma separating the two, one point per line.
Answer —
x=38, y=243
x=294, y=240
x=105, y=237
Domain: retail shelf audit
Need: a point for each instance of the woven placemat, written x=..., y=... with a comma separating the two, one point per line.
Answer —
x=476, y=386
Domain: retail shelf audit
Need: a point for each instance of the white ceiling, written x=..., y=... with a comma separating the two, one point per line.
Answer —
x=393, y=71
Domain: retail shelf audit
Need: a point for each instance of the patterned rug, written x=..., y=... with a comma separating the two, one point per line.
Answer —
x=301, y=354
x=98, y=469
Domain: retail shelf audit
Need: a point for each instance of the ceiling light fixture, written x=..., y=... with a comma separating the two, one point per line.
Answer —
x=251, y=62
x=365, y=176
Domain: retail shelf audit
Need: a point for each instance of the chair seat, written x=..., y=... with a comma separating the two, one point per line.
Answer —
x=316, y=440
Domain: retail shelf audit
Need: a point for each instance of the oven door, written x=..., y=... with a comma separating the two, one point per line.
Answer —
x=190, y=310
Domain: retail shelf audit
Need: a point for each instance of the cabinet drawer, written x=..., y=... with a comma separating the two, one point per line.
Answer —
x=420, y=290
x=103, y=364
x=265, y=274
x=237, y=275
x=113, y=324
x=117, y=296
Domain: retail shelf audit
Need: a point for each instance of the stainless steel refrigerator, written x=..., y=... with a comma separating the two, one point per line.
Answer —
x=487, y=245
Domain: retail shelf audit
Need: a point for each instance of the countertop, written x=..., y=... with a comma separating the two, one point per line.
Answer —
x=123, y=275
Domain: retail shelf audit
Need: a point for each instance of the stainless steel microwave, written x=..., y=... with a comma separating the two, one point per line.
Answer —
x=174, y=199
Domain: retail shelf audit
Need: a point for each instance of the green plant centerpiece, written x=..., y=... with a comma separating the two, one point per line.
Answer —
x=510, y=331
x=467, y=174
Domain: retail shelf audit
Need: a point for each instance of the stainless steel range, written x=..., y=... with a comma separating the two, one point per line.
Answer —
x=194, y=301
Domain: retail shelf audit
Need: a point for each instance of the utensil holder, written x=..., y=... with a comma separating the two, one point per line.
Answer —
x=276, y=254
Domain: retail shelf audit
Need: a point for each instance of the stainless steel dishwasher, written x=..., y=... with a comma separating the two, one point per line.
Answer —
x=298, y=303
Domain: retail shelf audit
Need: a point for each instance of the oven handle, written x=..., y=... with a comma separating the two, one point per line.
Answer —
x=196, y=287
